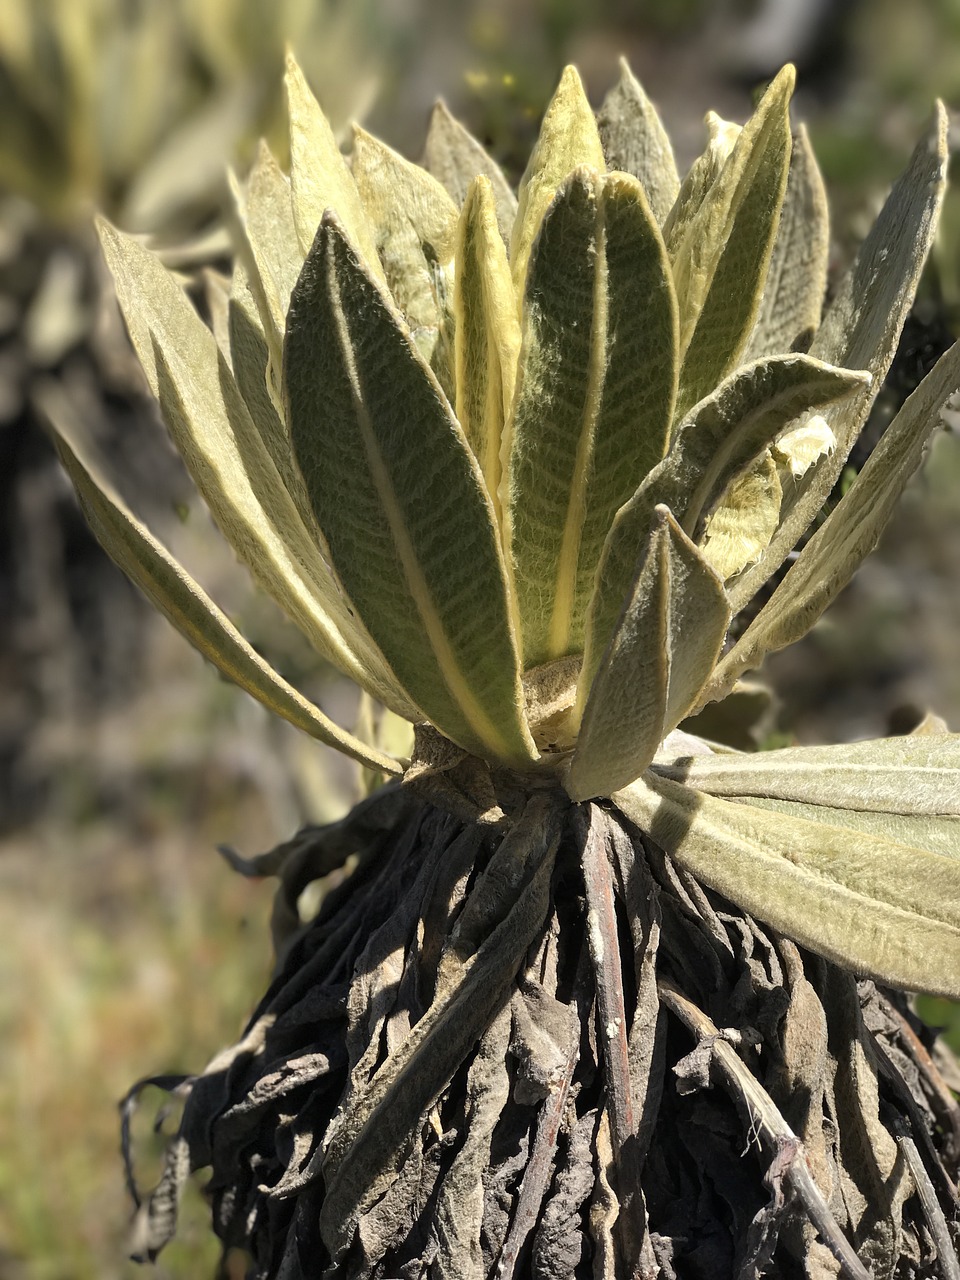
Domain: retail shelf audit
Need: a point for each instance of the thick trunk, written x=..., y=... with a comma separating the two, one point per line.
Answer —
x=524, y=1043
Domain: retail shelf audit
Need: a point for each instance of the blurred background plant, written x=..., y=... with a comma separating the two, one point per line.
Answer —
x=127, y=945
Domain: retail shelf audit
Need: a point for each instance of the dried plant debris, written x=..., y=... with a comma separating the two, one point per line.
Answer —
x=542, y=1049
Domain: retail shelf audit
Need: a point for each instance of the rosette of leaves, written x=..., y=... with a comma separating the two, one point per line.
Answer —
x=515, y=464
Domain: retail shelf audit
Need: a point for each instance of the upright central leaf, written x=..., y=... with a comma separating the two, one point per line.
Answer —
x=568, y=138
x=720, y=265
x=594, y=400
x=414, y=224
x=401, y=502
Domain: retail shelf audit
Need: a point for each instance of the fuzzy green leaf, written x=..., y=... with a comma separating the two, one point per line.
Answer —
x=454, y=157
x=487, y=342
x=179, y=598
x=664, y=648
x=851, y=531
x=635, y=141
x=935, y=833
x=414, y=225
x=568, y=138
x=320, y=178
x=797, y=276
x=401, y=502
x=910, y=775
x=862, y=328
x=880, y=908
x=594, y=400
x=717, y=440
x=230, y=465
x=720, y=266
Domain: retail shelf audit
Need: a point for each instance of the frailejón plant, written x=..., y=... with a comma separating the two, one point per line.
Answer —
x=515, y=464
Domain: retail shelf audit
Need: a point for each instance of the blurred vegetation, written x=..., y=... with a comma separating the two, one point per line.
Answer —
x=128, y=946
x=135, y=107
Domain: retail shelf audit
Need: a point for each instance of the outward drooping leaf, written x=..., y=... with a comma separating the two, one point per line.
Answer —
x=716, y=441
x=319, y=176
x=594, y=400
x=664, y=647
x=178, y=597
x=414, y=224
x=487, y=333
x=568, y=138
x=875, y=906
x=862, y=327
x=231, y=467
x=401, y=502
x=455, y=158
x=907, y=775
x=635, y=141
x=720, y=266
x=797, y=276
x=831, y=557
x=936, y=833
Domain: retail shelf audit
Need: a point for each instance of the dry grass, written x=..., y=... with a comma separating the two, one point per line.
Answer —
x=128, y=947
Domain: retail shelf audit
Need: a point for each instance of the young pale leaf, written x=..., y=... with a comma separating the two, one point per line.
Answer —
x=254, y=373
x=665, y=646
x=487, y=333
x=216, y=296
x=722, y=137
x=568, y=138
x=319, y=176
x=720, y=266
x=455, y=158
x=230, y=465
x=635, y=141
x=414, y=224
x=915, y=774
x=594, y=401
x=797, y=276
x=740, y=527
x=171, y=589
x=861, y=330
x=401, y=502
x=266, y=238
x=716, y=441
x=831, y=557
x=872, y=905
x=259, y=281
x=271, y=224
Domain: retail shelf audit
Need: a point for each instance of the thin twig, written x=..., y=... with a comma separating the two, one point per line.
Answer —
x=784, y=1146
x=931, y=1205
x=906, y=1099
x=942, y=1101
